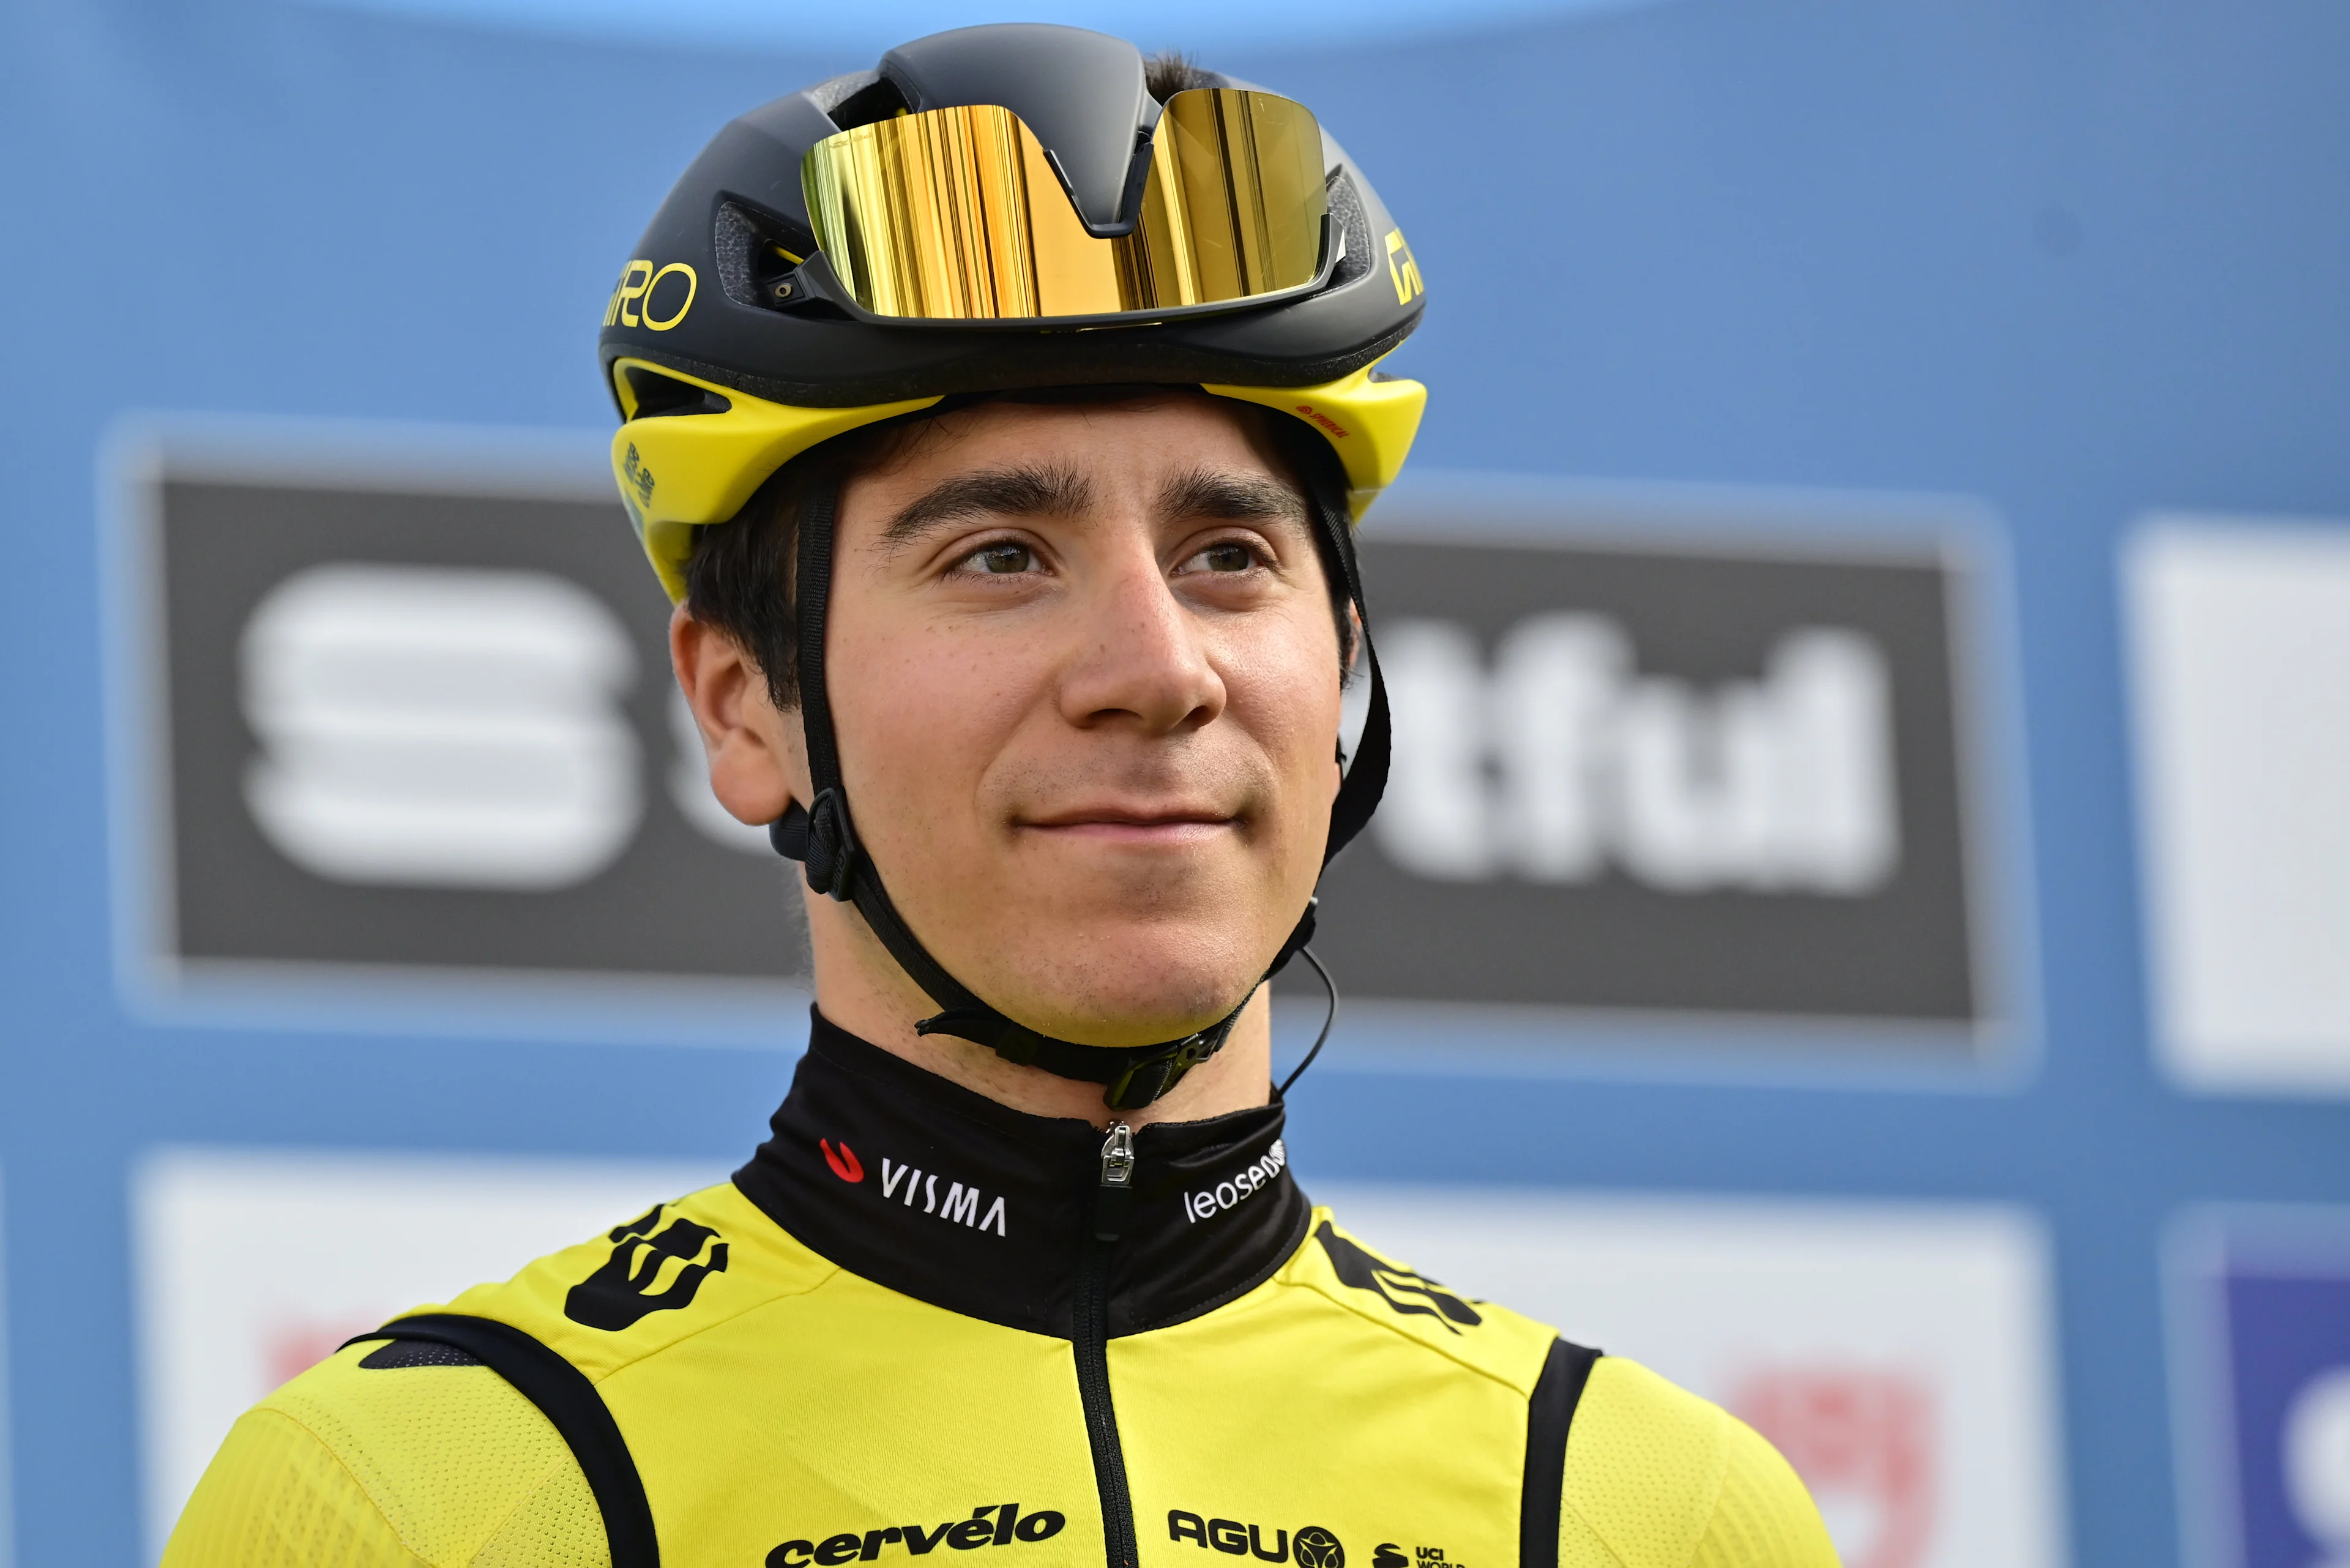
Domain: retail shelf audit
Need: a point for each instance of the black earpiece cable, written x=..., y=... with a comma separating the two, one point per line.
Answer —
x=1329, y=1016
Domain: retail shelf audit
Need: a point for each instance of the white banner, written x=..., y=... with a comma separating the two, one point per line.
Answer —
x=2239, y=673
x=1900, y=1357
x=252, y=1266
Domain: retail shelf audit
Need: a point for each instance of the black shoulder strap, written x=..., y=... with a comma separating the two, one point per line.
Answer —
x=1549, y=1414
x=563, y=1394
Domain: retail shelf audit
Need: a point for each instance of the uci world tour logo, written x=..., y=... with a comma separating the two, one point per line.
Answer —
x=623, y=1291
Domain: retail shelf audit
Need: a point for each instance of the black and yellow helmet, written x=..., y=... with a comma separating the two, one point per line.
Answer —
x=995, y=209
x=1003, y=209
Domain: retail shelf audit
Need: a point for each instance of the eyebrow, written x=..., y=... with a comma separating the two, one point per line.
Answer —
x=1205, y=492
x=1029, y=491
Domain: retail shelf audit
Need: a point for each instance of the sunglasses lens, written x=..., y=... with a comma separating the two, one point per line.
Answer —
x=957, y=213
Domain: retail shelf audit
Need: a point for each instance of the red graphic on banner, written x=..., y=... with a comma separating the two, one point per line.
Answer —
x=288, y=1349
x=844, y=1161
x=1862, y=1440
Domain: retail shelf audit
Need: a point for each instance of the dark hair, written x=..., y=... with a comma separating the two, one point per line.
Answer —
x=740, y=577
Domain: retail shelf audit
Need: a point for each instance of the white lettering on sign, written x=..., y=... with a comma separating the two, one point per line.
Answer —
x=441, y=727
x=1561, y=759
x=2240, y=673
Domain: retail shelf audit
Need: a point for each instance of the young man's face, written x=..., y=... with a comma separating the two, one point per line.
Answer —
x=1085, y=679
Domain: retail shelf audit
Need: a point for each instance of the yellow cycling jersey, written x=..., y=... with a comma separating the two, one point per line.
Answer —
x=919, y=1321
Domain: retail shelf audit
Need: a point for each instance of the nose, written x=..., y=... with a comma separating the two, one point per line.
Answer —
x=1142, y=660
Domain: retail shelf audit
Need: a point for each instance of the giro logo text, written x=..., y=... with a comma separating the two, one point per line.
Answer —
x=636, y=1280
x=1312, y=1546
x=958, y=1204
x=1212, y=1201
x=633, y=301
x=1402, y=270
x=991, y=1524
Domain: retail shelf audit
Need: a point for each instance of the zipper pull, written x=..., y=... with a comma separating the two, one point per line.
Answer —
x=1116, y=1193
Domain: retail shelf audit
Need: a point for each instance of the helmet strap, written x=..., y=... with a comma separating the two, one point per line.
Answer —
x=822, y=835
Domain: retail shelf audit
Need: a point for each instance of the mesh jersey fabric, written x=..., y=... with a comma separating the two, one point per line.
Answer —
x=430, y=1466
x=418, y=1465
x=1658, y=1478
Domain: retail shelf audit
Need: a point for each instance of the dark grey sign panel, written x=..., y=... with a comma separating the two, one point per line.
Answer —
x=434, y=729
x=1706, y=781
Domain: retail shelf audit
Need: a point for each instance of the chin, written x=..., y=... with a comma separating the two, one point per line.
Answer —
x=1129, y=989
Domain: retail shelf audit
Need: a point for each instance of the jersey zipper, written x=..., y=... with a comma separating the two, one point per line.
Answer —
x=1112, y=1195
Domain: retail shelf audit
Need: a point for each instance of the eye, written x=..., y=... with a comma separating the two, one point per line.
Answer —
x=1005, y=557
x=1226, y=555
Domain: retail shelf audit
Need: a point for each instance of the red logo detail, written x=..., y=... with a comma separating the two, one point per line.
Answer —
x=1324, y=420
x=843, y=1160
x=1862, y=1440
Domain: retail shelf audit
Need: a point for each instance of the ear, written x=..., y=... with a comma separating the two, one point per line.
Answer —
x=758, y=763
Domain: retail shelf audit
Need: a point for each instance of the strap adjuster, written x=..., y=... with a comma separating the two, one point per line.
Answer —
x=831, y=846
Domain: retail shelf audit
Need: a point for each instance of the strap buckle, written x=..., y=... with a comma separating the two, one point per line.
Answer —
x=819, y=836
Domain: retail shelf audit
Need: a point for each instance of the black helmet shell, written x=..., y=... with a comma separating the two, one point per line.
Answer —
x=716, y=298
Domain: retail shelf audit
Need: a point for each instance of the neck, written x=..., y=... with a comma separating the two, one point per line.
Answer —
x=922, y=1186
x=859, y=987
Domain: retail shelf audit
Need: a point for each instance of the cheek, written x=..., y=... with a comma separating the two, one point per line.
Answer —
x=1286, y=688
x=917, y=709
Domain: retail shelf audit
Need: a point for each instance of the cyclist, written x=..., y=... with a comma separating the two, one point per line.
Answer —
x=999, y=420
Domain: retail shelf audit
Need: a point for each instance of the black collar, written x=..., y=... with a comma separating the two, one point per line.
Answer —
x=918, y=1184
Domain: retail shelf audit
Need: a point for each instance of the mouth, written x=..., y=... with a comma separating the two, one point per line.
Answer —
x=1174, y=828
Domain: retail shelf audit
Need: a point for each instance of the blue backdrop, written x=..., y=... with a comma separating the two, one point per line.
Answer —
x=2079, y=258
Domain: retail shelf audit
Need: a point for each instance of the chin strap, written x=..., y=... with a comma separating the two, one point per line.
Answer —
x=823, y=836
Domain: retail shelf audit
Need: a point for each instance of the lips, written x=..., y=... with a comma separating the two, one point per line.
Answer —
x=1130, y=818
x=1114, y=826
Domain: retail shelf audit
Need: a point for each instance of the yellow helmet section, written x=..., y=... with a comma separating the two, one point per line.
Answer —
x=680, y=472
x=1368, y=422
x=677, y=472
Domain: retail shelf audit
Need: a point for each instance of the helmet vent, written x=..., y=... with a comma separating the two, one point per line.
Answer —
x=661, y=396
x=759, y=257
x=1350, y=226
x=883, y=99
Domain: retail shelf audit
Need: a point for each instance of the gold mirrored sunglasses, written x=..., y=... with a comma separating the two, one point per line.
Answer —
x=958, y=213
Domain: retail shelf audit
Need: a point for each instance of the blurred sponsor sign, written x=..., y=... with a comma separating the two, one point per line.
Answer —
x=1640, y=770
x=2239, y=641
x=1898, y=1356
x=403, y=713
x=2261, y=1319
x=251, y=1267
